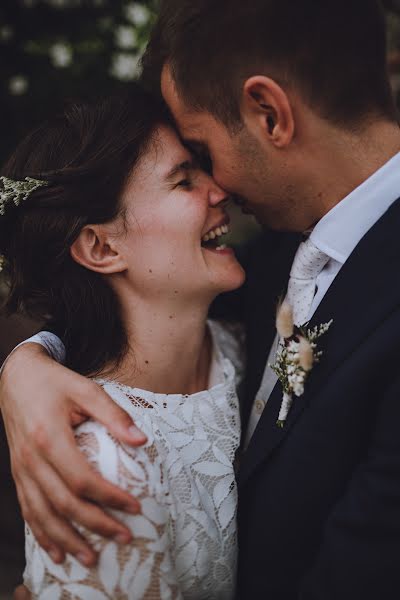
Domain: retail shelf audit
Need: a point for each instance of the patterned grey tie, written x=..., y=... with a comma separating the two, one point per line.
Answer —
x=307, y=265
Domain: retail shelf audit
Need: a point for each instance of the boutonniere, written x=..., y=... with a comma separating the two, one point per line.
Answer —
x=297, y=353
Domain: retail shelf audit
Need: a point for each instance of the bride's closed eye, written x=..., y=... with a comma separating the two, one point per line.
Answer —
x=185, y=183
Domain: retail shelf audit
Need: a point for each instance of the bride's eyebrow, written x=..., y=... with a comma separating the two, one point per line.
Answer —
x=185, y=166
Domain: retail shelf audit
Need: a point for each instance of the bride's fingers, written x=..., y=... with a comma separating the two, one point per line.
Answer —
x=44, y=521
x=95, y=402
x=74, y=470
x=84, y=513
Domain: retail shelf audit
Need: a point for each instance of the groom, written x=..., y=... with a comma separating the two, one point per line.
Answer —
x=290, y=102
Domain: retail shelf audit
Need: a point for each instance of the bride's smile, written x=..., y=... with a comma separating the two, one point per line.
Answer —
x=168, y=241
x=164, y=257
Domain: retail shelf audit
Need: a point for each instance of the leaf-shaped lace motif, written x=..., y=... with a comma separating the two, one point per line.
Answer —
x=184, y=542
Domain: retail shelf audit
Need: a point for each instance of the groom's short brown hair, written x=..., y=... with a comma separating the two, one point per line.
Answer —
x=332, y=51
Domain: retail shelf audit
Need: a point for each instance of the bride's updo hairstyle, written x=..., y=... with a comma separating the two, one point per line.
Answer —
x=86, y=154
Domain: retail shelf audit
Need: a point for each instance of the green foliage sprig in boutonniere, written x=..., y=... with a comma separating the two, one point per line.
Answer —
x=297, y=353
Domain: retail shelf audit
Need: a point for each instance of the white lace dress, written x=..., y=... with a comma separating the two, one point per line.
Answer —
x=184, y=542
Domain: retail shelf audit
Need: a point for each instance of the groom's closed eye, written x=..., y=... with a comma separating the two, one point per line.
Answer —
x=205, y=162
x=202, y=155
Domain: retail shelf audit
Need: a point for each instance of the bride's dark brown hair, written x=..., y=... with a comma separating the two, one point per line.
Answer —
x=86, y=154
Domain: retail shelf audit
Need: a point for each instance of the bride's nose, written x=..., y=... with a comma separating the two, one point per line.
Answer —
x=216, y=195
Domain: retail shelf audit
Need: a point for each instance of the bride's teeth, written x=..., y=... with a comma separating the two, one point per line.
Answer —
x=221, y=247
x=217, y=232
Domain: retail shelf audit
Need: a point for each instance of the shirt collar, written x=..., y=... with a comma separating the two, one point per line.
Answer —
x=341, y=229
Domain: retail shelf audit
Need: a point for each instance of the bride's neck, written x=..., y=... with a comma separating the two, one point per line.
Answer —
x=169, y=347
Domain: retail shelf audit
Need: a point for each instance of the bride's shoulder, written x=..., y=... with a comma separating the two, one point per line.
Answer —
x=229, y=339
x=135, y=469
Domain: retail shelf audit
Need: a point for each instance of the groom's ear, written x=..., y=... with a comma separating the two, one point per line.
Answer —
x=267, y=111
x=96, y=249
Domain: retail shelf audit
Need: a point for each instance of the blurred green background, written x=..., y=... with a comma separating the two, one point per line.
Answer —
x=63, y=49
x=56, y=49
x=59, y=49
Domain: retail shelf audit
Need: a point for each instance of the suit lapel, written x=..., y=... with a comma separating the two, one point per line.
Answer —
x=363, y=293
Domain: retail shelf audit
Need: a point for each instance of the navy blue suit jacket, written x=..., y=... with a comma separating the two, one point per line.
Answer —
x=319, y=500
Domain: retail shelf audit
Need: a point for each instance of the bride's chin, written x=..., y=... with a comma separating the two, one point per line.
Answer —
x=231, y=279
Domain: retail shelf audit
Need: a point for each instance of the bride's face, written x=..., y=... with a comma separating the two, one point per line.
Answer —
x=169, y=209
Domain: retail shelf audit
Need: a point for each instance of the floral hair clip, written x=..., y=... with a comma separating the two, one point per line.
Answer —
x=17, y=191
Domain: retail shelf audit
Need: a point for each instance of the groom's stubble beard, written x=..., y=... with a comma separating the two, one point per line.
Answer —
x=269, y=193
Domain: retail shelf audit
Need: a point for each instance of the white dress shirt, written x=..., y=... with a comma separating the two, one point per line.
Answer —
x=337, y=234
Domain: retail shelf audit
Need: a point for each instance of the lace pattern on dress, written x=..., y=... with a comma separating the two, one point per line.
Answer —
x=184, y=542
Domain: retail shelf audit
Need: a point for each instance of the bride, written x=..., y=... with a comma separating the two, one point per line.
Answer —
x=110, y=230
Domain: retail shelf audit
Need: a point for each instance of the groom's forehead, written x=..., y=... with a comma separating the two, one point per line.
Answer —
x=180, y=110
x=194, y=137
x=191, y=123
x=169, y=89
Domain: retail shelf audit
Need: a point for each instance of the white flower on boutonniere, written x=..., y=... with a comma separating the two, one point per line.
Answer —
x=296, y=356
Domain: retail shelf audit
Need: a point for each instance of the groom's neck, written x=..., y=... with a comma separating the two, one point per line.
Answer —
x=342, y=161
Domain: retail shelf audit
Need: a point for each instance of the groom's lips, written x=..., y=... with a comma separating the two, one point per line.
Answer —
x=243, y=204
x=246, y=211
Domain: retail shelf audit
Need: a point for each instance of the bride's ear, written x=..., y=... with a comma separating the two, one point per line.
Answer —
x=267, y=110
x=97, y=250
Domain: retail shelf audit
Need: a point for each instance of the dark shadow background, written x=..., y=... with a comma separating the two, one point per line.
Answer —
x=63, y=49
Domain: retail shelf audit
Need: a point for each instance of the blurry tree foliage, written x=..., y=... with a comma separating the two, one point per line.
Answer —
x=52, y=50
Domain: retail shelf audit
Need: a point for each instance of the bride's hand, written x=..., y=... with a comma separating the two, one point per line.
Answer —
x=41, y=401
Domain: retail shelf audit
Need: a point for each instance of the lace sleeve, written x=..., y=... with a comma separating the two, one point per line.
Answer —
x=143, y=569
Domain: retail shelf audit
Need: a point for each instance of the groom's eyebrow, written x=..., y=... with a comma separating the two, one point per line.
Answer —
x=196, y=145
x=185, y=166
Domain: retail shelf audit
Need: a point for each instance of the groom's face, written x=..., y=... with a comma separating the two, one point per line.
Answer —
x=233, y=158
x=239, y=164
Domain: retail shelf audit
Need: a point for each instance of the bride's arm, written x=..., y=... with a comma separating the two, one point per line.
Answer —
x=144, y=567
x=41, y=401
